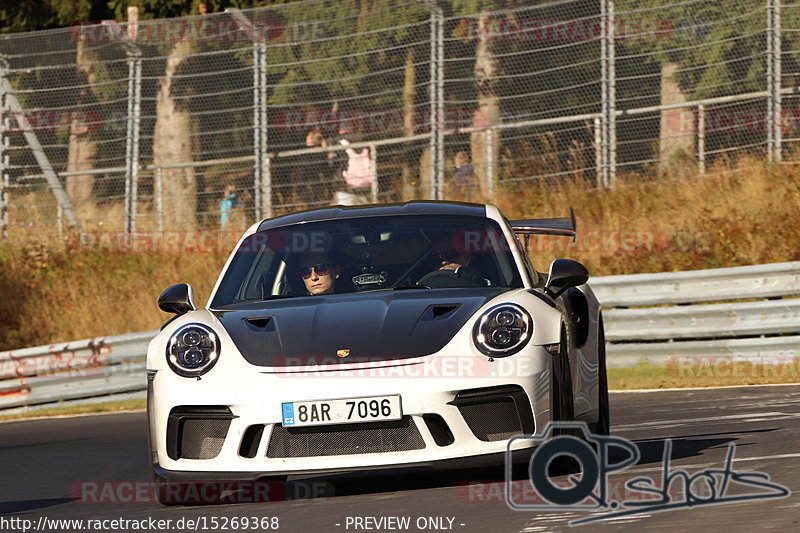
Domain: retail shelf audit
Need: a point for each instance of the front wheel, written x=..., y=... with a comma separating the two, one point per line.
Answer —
x=603, y=424
x=562, y=408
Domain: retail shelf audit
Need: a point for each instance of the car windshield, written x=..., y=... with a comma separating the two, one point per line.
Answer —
x=370, y=253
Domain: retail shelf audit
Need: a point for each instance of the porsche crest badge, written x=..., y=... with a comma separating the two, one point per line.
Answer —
x=342, y=353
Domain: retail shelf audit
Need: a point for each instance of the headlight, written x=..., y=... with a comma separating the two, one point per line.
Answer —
x=503, y=330
x=192, y=350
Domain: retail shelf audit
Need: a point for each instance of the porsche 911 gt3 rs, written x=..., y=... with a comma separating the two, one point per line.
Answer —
x=352, y=338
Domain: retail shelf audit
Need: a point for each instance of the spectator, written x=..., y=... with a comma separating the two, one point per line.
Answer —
x=358, y=172
x=318, y=168
x=464, y=175
x=229, y=202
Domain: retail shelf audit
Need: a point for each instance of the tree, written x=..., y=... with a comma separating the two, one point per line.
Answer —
x=702, y=50
x=532, y=61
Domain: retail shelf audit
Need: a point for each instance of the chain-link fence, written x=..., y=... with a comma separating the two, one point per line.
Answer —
x=221, y=119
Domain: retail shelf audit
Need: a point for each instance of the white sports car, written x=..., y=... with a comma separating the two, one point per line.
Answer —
x=351, y=338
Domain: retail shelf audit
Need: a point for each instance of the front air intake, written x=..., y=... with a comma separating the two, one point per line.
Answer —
x=197, y=432
x=345, y=439
x=496, y=413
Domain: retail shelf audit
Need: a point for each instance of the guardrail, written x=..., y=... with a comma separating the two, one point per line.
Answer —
x=89, y=368
x=653, y=317
x=692, y=286
x=748, y=313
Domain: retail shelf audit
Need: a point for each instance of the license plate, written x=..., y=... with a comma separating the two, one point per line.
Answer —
x=346, y=411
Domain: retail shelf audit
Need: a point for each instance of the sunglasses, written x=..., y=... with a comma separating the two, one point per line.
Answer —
x=322, y=269
x=449, y=255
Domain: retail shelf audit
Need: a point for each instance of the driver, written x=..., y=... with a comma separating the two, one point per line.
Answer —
x=319, y=273
x=452, y=267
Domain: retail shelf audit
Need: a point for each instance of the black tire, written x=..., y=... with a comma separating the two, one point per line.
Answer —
x=603, y=424
x=562, y=408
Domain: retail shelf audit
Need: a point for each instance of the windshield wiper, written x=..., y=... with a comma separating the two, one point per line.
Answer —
x=407, y=287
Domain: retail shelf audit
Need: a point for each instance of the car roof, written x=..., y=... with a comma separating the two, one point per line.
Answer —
x=419, y=207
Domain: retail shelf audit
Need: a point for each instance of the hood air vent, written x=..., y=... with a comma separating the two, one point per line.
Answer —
x=439, y=311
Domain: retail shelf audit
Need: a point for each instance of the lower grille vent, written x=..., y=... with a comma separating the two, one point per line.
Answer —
x=345, y=439
x=202, y=438
x=491, y=421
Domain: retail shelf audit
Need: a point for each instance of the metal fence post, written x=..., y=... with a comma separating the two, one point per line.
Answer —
x=598, y=150
x=134, y=54
x=432, y=90
x=440, y=104
x=373, y=167
x=257, y=130
x=436, y=92
x=132, y=140
x=490, y=170
x=5, y=125
x=701, y=137
x=778, y=73
x=262, y=174
x=266, y=186
x=604, y=94
x=609, y=93
x=774, y=74
x=158, y=185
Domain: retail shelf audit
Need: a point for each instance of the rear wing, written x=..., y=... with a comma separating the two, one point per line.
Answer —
x=546, y=226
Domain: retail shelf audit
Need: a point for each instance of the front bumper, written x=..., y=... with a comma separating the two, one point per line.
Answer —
x=443, y=432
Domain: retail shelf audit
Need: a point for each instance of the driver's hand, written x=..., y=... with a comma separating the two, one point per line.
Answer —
x=471, y=275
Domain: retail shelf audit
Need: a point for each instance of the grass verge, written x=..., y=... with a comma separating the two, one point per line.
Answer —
x=100, y=407
x=720, y=373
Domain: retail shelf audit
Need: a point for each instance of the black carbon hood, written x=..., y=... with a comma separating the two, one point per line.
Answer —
x=373, y=326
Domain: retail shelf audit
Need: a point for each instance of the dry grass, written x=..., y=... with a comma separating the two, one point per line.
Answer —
x=739, y=214
x=673, y=376
x=54, y=291
x=91, y=408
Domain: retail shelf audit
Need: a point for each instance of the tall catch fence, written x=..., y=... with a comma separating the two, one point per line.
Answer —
x=221, y=119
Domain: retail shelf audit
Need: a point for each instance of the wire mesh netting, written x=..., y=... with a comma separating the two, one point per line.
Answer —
x=222, y=119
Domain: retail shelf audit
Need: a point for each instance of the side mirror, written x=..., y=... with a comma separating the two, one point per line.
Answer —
x=564, y=273
x=178, y=299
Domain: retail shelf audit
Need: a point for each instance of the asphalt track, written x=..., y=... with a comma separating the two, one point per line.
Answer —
x=42, y=462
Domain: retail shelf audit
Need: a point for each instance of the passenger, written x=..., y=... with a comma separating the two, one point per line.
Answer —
x=452, y=267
